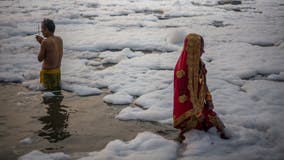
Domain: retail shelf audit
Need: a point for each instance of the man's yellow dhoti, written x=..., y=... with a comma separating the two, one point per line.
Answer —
x=50, y=79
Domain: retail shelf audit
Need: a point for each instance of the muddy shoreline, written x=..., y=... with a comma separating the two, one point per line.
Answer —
x=84, y=124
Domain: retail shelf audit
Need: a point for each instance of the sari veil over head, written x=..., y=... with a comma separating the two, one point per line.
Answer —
x=189, y=82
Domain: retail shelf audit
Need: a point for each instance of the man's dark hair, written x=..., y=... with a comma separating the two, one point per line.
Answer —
x=49, y=24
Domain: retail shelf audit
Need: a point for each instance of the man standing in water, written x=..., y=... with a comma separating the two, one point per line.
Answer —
x=51, y=51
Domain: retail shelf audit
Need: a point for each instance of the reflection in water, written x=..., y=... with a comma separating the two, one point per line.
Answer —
x=56, y=121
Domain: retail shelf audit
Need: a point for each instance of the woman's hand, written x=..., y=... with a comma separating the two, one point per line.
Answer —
x=210, y=104
x=201, y=118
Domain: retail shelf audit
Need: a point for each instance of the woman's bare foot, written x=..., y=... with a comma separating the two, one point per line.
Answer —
x=225, y=134
x=180, y=138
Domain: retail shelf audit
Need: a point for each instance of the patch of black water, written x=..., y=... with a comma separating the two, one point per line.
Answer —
x=149, y=11
x=92, y=5
x=145, y=51
x=233, y=2
x=167, y=17
x=55, y=123
x=199, y=4
x=119, y=14
x=263, y=44
x=106, y=65
x=257, y=76
x=218, y=24
x=89, y=16
x=241, y=9
x=166, y=132
x=170, y=26
x=261, y=76
x=53, y=148
x=208, y=59
x=11, y=81
x=153, y=51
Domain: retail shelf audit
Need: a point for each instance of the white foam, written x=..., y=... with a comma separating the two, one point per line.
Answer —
x=81, y=90
x=27, y=140
x=38, y=155
x=33, y=84
x=118, y=98
x=158, y=107
x=116, y=57
x=48, y=94
x=277, y=77
x=146, y=145
x=176, y=36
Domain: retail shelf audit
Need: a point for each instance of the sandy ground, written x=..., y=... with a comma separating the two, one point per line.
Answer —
x=75, y=125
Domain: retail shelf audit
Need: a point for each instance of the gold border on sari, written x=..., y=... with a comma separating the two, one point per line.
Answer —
x=183, y=117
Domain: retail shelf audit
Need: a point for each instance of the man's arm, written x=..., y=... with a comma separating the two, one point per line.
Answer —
x=41, y=54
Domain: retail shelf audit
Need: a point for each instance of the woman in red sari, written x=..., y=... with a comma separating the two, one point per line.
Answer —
x=193, y=107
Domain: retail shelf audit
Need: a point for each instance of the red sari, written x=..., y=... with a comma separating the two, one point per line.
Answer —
x=190, y=90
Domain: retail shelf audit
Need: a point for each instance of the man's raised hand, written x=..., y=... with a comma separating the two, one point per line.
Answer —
x=39, y=39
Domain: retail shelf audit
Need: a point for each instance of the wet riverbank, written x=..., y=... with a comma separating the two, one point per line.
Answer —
x=70, y=124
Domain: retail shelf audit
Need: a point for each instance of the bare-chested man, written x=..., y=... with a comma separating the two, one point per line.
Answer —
x=51, y=51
